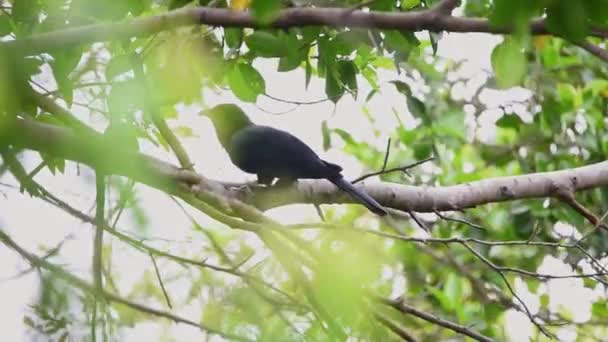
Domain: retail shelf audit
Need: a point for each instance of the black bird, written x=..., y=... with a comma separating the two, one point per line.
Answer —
x=271, y=153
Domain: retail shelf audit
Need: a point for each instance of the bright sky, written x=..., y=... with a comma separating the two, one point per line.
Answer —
x=34, y=224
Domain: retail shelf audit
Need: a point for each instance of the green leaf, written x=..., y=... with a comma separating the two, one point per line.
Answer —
x=308, y=73
x=25, y=11
x=327, y=56
x=568, y=19
x=347, y=137
x=137, y=7
x=382, y=5
x=266, y=11
x=596, y=87
x=333, y=87
x=118, y=65
x=397, y=41
x=30, y=66
x=233, y=37
x=54, y=164
x=570, y=98
x=5, y=25
x=308, y=34
x=371, y=94
x=509, y=63
x=184, y=131
x=348, y=74
x=453, y=290
x=371, y=76
x=246, y=82
x=125, y=98
x=422, y=150
x=514, y=13
x=409, y=4
x=344, y=43
x=384, y=63
x=325, y=132
x=597, y=10
x=402, y=87
x=450, y=124
x=266, y=44
x=492, y=311
x=64, y=62
x=509, y=121
x=600, y=309
x=122, y=135
x=295, y=56
x=440, y=296
x=173, y=4
x=417, y=108
x=87, y=11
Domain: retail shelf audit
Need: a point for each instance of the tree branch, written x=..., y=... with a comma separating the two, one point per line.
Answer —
x=394, y=327
x=160, y=281
x=291, y=17
x=91, y=149
x=408, y=309
x=594, y=50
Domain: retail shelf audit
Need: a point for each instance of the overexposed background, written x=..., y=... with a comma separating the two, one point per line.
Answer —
x=36, y=225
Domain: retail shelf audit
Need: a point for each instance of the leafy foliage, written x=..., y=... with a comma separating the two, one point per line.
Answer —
x=560, y=124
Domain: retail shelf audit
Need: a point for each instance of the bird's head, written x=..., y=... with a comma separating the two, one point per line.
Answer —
x=227, y=119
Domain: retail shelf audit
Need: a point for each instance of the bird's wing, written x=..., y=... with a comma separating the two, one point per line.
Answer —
x=266, y=150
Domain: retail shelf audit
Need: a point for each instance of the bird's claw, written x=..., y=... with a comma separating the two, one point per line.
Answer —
x=247, y=187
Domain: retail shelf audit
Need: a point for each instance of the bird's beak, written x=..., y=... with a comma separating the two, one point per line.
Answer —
x=205, y=112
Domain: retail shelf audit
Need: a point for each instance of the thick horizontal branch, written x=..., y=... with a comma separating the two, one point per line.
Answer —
x=433, y=20
x=94, y=150
x=442, y=198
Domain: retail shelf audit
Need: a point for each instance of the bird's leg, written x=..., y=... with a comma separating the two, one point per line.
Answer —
x=285, y=182
x=245, y=187
x=263, y=181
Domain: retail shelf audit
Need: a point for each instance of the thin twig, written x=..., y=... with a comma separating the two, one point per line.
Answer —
x=46, y=256
x=90, y=289
x=408, y=309
x=394, y=327
x=320, y=212
x=160, y=281
x=418, y=221
x=400, y=169
x=386, y=154
x=277, y=113
x=500, y=270
x=594, y=229
x=50, y=198
x=299, y=103
x=447, y=218
x=37, y=169
x=535, y=232
x=567, y=197
x=100, y=195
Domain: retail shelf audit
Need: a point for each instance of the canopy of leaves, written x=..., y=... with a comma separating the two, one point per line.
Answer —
x=325, y=284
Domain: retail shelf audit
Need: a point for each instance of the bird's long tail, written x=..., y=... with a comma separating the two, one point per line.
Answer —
x=359, y=195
